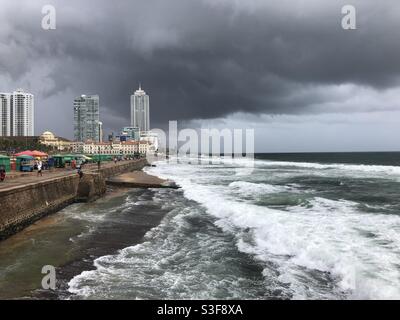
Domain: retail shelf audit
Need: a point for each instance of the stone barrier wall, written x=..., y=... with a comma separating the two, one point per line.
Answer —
x=21, y=206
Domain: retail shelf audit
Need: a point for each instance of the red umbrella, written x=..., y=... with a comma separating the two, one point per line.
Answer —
x=40, y=154
x=25, y=153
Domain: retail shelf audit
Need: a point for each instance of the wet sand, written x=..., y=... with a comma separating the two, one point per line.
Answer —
x=140, y=179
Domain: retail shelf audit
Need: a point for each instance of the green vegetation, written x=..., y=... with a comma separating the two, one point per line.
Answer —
x=10, y=145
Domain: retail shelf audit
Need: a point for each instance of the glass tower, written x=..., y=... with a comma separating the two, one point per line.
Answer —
x=86, y=118
x=140, y=110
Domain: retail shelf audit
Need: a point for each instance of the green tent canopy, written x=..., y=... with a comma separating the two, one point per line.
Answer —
x=5, y=161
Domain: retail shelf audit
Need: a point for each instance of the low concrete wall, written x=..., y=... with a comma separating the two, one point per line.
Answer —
x=122, y=168
x=91, y=187
x=21, y=206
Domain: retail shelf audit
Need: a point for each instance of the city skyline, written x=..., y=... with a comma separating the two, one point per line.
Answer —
x=294, y=75
x=17, y=115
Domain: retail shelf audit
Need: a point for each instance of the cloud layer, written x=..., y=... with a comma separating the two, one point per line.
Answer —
x=202, y=59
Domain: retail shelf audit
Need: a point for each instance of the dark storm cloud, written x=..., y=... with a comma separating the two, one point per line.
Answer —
x=199, y=59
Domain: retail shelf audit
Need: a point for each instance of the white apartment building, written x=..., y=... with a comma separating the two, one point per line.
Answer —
x=17, y=114
x=5, y=114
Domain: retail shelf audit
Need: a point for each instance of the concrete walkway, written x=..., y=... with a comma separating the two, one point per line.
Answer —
x=17, y=179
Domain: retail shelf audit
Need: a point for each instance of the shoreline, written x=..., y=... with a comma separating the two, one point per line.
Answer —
x=97, y=245
x=51, y=195
x=140, y=179
x=145, y=222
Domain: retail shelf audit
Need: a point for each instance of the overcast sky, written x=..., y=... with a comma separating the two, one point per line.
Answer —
x=285, y=68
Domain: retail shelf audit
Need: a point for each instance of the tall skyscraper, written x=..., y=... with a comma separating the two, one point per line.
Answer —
x=16, y=114
x=140, y=110
x=86, y=118
x=5, y=114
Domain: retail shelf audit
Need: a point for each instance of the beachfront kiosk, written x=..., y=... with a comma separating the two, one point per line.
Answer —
x=59, y=161
x=25, y=163
x=5, y=163
x=101, y=157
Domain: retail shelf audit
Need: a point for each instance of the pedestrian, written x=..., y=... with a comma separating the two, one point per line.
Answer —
x=39, y=168
x=2, y=173
x=80, y=173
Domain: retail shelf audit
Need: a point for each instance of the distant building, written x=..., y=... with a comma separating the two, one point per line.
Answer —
x=17, y=114
x=86, y=118
x=47, y=138
x=5, y=114
x=129, y=134
x=112, y=148
x=151, y=138
x=140, y=110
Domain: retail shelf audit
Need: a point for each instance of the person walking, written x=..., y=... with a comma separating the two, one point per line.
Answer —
x=80, y=172
x=39, y=168
x=2, y=173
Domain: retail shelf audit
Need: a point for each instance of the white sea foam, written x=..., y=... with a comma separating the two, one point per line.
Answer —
x=323, y=248
x=167, y=265
x=250, y=188
x=388, y=171
x=245, y=162
x=356, y=251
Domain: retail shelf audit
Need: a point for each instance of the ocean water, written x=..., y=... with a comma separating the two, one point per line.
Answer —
x=284, y=226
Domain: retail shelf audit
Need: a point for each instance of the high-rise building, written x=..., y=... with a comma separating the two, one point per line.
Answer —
x=16, y=114
x=130, y=133
x=100, y=131
x=86, y=118
x=5, y=114
x=140, y=110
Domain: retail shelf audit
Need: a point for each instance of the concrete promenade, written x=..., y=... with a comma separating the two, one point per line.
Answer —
x=18, y=179
x=26, y=198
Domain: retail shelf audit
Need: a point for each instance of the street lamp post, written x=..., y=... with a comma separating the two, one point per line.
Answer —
x=99, y=159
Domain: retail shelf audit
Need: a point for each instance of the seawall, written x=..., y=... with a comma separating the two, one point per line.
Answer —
x=22, y=205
